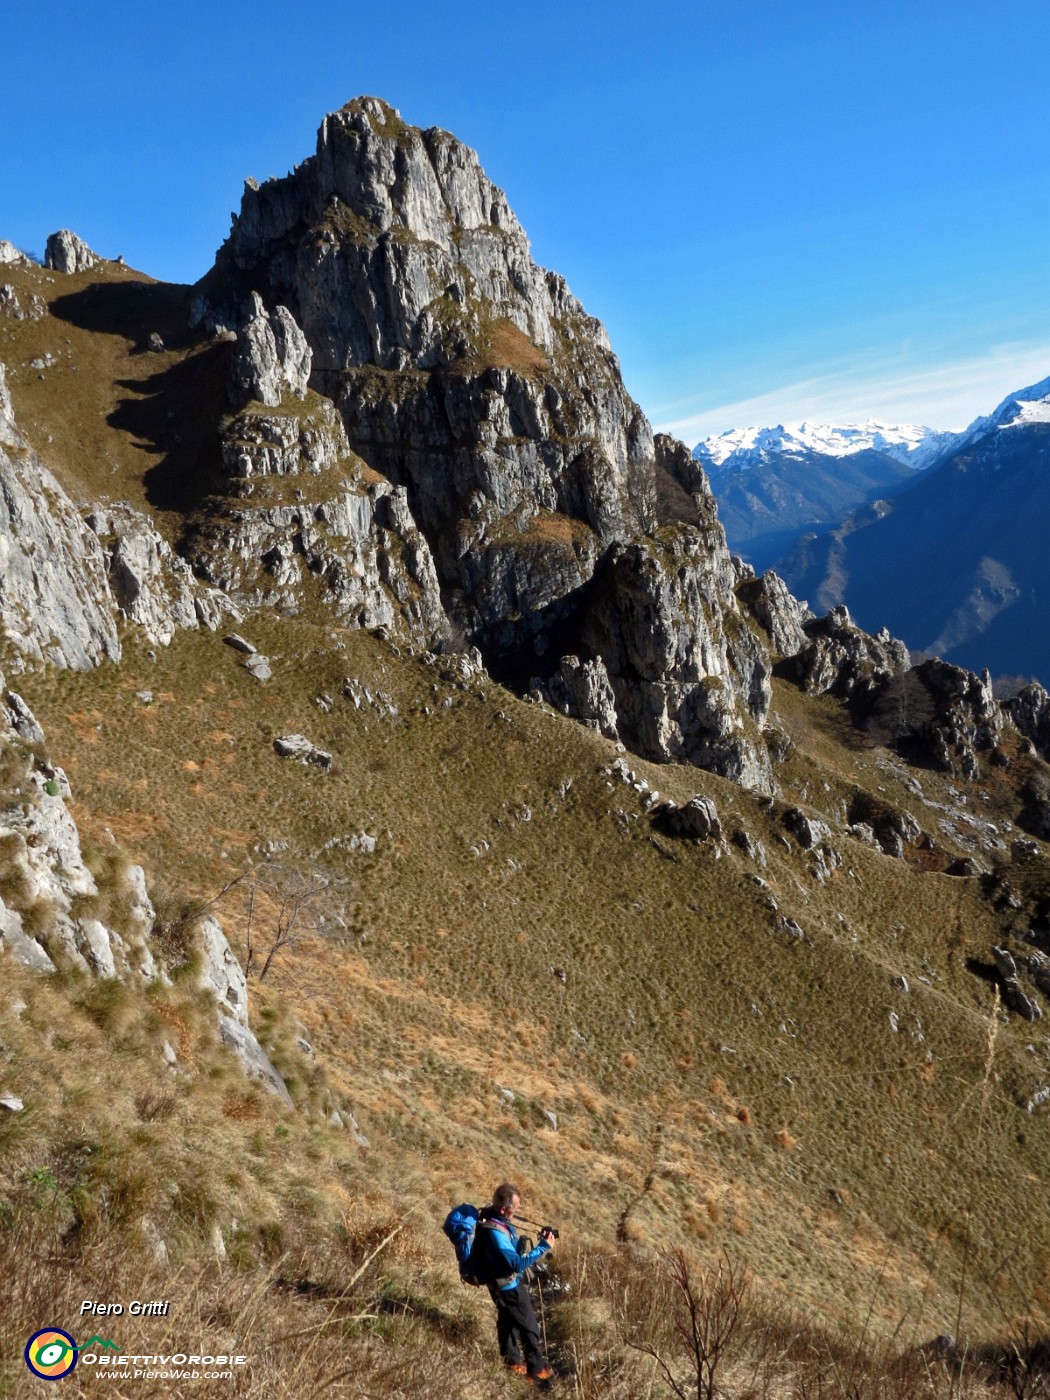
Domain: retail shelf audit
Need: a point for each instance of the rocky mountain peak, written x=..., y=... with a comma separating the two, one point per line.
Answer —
x=392, y=174
x=402, y=226
x=66, y=252
x=475, y=382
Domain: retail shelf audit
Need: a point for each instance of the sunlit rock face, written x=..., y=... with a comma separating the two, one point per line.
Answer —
x=474, y=379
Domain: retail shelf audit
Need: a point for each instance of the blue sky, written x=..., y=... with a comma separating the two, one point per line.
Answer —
x=782, y=209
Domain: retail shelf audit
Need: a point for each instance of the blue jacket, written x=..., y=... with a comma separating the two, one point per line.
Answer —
x=503, y=1255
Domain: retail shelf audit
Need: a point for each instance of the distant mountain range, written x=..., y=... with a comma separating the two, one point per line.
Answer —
x=943, y=539
x=775, y=484
x=742, y=449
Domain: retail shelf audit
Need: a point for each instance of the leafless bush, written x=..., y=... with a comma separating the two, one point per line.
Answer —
x=707, y=1311
x=292, y=900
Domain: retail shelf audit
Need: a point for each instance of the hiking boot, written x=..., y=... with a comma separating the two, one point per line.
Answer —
x=517, y=1368
x=543, y=1379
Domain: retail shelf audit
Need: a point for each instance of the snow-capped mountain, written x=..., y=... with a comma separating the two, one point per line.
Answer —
x=1017, y=410
x=956, y=563
x=740, y=449
x=775, y=484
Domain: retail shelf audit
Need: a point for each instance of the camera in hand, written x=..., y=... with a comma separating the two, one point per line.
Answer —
x=549, y=1230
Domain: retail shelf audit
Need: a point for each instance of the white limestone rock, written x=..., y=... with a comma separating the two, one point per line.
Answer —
x=150, y=585
x=22, y=720
x=354, y=542
x=66, y=252
x=253, y=1058
x=272, y=359
x=55, y=603
x=14, y=940
x=93, y=940
x=65, y=582
x=297, y=746
x=9, y=434
x=221, y=973
x=582, y=689
x=777, y=611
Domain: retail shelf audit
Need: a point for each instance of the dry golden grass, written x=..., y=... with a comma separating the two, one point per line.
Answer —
x=509, y=346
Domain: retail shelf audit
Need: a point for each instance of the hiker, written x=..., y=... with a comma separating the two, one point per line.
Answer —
x=505, y=1265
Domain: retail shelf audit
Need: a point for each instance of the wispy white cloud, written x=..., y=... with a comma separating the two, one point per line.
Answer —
x=945, y=395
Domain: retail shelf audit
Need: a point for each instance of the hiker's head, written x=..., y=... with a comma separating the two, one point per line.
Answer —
x=506, y=1199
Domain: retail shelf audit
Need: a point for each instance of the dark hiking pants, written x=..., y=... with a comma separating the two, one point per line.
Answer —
x=517, y=1328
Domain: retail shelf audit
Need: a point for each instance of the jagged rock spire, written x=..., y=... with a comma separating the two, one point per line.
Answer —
x=474, y=379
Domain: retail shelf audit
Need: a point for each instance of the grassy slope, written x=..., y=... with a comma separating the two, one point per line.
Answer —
x=752, y=1080
x=713, y=1080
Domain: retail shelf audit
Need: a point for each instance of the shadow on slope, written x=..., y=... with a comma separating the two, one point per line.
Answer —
x=174, y=395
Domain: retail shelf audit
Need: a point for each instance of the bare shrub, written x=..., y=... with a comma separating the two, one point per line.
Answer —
x=707, y=1310
x=291, y=902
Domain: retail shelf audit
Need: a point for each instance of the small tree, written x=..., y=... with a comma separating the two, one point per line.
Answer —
x=293, y=897
x=707, y=1313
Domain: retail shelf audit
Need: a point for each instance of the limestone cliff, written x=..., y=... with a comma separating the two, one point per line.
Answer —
x=68, y=580
x=54, y=601
x=302, y=516
x=474, y=381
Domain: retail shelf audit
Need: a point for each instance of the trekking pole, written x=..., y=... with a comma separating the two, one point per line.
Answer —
x=543, y=1317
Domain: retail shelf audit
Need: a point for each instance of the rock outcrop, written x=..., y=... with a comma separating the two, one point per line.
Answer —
x=936, y=713
x=303, y=513
x=582, y=689
x=272, y=358
x=149, y=583
x=47, y=917
x=697, y=820
x=841, y=659
x=222, y=975
x=66, y=252
x=777, y=612
x=1030, y=711
x=690, y=678
x=966, y=720
x=12, y=306
x=50, y=912
x=55, y=602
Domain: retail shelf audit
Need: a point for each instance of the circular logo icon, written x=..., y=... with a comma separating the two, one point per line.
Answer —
x=51, y=1353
